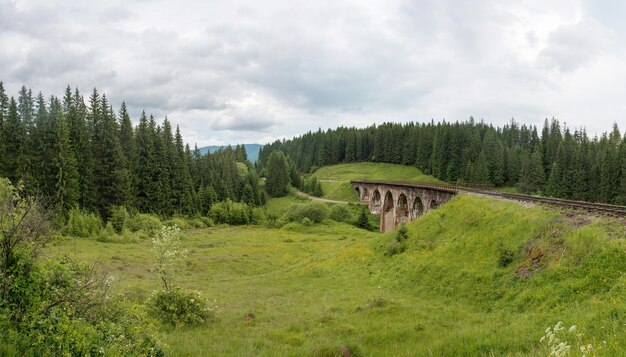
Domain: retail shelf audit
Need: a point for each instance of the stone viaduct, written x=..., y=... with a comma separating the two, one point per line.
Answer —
x=401, y=202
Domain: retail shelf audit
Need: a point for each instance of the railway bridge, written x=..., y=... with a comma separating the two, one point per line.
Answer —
x=401, y=202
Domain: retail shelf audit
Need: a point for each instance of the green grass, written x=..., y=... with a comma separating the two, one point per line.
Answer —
x=373, y=171
x=336, y=179
x=339, y=190
x=278, y=206
x=315, y=289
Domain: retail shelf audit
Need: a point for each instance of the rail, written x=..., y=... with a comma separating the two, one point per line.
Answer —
x=619, y=211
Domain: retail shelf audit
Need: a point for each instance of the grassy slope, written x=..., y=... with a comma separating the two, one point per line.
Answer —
x=336, y=179
x=313, y=289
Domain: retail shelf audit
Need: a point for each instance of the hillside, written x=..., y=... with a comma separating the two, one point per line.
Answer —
x=478, y=277
x=336, y=179
x=252, y=150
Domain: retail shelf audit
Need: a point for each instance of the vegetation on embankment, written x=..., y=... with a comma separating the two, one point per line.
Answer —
x=518, y=270
x=477, y=276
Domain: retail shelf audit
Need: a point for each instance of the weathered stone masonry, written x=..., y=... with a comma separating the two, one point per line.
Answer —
x=400, y=202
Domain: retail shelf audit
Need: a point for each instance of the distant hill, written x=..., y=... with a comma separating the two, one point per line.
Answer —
x=252, y=150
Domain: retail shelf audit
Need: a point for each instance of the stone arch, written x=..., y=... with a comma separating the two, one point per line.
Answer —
x=433, y=204
x=358, y=192
x=402, y=210
x=418, y=208
x=366, y=194
x=388, y=216
x=375, y=202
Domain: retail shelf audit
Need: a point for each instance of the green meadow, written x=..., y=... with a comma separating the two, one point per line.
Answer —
x=476, y=277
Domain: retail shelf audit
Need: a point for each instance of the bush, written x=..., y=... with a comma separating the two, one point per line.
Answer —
x=316, y=212
x=258, y=216
x=82, y=224
x=80, y=324
x=207, y=221
x=229, y=212
x=144, y=222
x=306, y=221
x=395, y=247
x=506, y=256
x=177, y=221
x=402, y=234
x=196, y=223
x=340, y=213
x=118, y=219
x=364, y=221
x=178, y=307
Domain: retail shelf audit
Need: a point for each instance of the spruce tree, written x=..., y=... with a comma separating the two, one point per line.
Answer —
x=277, y=179
x=620, y=197
x=14, y=134
x=536, y=174
x=67, y=188
x=4, y=109
x=363, y=220
x=111, y=178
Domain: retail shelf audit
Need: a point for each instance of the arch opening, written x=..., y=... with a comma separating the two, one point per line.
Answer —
x=366, y=194
x=418, y=208
x=388, y=219
x=433, y=204
x=358, y=192
x=375, y=202
x=402, y=210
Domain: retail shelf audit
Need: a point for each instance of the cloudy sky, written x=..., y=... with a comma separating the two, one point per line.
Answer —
x=251, y=71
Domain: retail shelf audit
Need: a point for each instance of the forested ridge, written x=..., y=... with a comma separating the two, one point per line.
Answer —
x=555, y=162
x=81, y=153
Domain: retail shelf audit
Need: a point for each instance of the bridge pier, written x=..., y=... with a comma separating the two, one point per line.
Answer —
x=397, y=203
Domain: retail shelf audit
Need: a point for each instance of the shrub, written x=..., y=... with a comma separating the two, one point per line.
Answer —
x=316, y=212
x=178, y=307
x=258, y=216
x=395, y=247
x=364, y=221
x=207, y=221
x=505, y=257
x=340, y=213
x=178, y=222
x=168, y=253
x=144, y=222
x=402, y=234
x=118, y=219
x=196, y=223
x=229, y=212
x=306, y=221
x=82, y=224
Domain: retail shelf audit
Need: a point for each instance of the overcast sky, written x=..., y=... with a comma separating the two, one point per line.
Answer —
x=251, y=71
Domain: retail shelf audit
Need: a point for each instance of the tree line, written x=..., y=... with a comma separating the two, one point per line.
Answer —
x=554, y=162
x=81, y=153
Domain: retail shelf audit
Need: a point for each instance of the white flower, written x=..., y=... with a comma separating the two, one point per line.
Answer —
x=572, y=329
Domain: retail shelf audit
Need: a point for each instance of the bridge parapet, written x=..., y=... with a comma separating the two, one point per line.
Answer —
x=399, y=202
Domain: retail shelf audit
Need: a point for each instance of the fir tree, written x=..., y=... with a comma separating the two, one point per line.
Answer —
x=277, y=175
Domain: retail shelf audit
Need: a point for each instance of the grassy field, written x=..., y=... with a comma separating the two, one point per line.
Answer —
x=336, y=179
x=373, y=171
x=478, y=277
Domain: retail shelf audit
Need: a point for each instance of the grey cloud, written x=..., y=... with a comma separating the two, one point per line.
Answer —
x=115, y=14
x=243, y=123
x=227, y=67
x=572, y=46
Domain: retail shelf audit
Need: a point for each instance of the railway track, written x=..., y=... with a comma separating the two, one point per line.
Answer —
x=619, y=211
